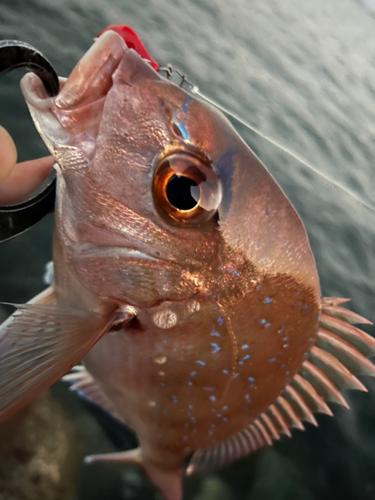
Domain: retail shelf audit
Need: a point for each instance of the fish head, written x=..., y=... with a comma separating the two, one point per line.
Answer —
x=156, y=187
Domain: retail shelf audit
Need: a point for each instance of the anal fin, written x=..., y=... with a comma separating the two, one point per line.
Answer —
x=85, y=386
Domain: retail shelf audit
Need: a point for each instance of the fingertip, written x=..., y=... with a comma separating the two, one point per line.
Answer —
x=8, y=154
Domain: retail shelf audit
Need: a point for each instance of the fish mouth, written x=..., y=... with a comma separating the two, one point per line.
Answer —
x=89, y=81
x=78, y=107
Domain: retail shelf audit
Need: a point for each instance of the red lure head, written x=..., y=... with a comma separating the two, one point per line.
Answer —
x=132, y=41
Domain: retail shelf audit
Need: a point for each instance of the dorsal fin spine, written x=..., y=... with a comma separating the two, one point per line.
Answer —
x=306, y=388
x=297, y=400
x=348, y=355
x=328, y=389
x=287, y=409
x=270, y=426
x=335, y=370
x=277, y=418
x=339, y=350
x=263, y=431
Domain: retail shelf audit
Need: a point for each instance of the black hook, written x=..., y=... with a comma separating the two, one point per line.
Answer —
x=17, y=218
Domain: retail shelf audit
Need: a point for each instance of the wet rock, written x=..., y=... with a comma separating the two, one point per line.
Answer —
x=40, y=453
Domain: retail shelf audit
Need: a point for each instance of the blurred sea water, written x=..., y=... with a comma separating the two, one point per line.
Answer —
x=302, y=73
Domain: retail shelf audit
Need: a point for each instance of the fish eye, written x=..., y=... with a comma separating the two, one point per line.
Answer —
x=186, y=189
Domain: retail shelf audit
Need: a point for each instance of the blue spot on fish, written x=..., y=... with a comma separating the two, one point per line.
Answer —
x=202, y=363
x=192, y=374
x=281, y=330
x=182, y=129
x=225, y=419
x=193, y=419
x=190, y=407
x=216, y=348
x=225, y=372
x=267, y=300
x=220, y=320
x=225, y=408
x=245, y=346
x=212, y=398
x=190, y=383
x=236, y=375
x=251, y=379
x=208, y=388
x=263, y=322
x=272, y=360
x=185, y=104
x=268, y=325
x=246, y=357
x=259, y=287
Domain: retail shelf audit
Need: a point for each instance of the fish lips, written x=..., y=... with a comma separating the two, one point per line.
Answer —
x=79, y=104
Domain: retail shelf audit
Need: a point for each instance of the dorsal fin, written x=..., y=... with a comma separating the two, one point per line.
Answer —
x=338, y=354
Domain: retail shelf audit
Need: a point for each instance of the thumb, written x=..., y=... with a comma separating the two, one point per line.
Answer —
x=8, y=154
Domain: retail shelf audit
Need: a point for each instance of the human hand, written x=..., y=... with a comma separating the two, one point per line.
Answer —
x=17, y=181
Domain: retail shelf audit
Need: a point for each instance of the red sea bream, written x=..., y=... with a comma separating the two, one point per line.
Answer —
x=184, y=278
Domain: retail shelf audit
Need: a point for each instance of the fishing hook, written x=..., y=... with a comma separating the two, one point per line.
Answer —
x=19, y=217
x=170, y=70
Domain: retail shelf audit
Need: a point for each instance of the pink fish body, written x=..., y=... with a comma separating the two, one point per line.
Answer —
x=176, y=248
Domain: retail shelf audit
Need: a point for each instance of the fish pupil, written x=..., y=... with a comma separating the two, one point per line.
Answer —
x=178, y=192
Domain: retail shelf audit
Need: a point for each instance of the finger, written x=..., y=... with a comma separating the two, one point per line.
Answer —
x=8, y=154
x=24, y=179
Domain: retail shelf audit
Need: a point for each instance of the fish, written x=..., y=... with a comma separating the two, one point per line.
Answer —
x=183, y=278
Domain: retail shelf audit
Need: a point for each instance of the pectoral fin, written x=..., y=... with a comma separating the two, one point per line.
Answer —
x=39, y=343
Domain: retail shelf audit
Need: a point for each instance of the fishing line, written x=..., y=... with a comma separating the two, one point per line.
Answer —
x=195, y=90
x=288, y=152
